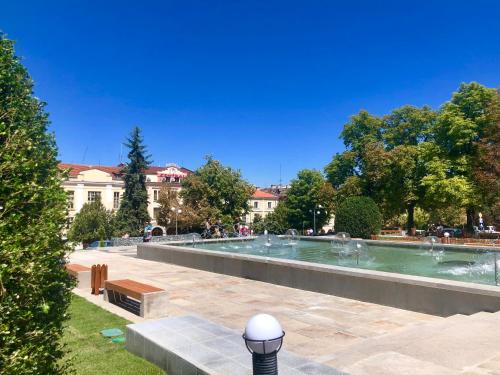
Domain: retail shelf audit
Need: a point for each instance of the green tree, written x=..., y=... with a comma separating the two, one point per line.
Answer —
x=217, y=191
x=407, y=132
x=132, y=216
x=92, y=223
x=307, y=192
x=35, y=289
x=487, y=165
x=364, y=165
x=462, y=123
x=188, y=219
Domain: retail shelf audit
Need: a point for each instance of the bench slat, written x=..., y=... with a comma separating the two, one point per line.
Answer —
x=131, y=288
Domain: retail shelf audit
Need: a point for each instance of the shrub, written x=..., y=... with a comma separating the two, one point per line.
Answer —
x=92, y=223
x=358, y=216
x=34, y=286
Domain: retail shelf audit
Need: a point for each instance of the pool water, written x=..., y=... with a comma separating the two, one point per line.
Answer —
x=476, y=266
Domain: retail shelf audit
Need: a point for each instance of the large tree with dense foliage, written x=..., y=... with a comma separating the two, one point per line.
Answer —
x=132, y=216
x=92, y=223
x=487, y=166
x=415, y=157
x=406, y=133
x=362, y=168
x=35, y=289
x=307, y=192
x=462, y=123
x=188, y=220
x=216, y=191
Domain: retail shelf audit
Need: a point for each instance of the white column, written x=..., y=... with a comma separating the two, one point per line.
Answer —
x=108, y=200
x=79, y=197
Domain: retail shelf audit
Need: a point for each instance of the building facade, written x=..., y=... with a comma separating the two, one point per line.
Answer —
x=261, y=204
x=87, y=183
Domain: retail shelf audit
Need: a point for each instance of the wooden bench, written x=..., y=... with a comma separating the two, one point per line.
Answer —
x=153, y=300
x=80, y=273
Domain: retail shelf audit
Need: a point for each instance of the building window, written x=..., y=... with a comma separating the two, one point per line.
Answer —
x=155, y=195
x=269, y=204
x=255, y=204
x=71, y=199
x=116, y=199
x=94, y=196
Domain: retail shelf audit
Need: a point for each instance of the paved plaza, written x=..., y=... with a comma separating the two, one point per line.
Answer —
x=353, y=336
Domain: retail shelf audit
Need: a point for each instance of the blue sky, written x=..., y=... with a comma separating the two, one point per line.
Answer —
x=256, y=84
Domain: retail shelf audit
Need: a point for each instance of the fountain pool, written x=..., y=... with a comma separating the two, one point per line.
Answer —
x=471, y=265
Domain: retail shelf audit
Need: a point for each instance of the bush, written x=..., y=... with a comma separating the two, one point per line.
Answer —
x=358, y=216
x=92, y=223
x=35, y=289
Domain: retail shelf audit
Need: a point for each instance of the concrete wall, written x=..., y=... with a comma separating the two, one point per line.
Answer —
x=427, y=295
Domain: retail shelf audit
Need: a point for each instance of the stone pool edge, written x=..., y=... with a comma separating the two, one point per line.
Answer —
x=416, y=293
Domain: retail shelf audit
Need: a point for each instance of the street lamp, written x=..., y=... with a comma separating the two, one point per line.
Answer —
x=177, y=212
x=263, y=338
x=315, y=211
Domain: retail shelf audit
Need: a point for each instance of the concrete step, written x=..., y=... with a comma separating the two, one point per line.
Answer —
x=392, y=363
x=455, y=342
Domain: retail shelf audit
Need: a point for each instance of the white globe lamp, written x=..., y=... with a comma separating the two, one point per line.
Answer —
x=264, y=337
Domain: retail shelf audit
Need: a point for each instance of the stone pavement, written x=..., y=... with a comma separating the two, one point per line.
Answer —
x=318, y=326
x=193, y=345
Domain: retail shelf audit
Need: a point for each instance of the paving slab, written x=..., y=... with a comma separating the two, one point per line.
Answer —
x=191, y=344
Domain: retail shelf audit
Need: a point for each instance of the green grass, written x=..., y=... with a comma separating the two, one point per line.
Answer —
x=94, y=354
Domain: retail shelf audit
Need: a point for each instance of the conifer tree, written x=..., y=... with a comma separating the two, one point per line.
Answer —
x=133, y=215
x=35, y=289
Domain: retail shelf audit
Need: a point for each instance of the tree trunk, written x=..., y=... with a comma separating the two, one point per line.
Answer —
x=470, y=220
x=411, y=218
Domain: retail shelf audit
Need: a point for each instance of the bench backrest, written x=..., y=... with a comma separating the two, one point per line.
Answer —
x=98, y=277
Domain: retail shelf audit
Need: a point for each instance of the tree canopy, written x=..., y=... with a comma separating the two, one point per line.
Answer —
x=92, y=223
x=217, y=191
x=307, y=193
x=418, y=157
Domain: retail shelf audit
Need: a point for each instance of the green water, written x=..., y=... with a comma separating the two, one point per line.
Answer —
x=469, y=266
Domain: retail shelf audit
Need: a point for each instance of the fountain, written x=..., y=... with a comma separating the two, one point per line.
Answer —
x=291, y=237
x=354, y=252
x=432, y=246
x=269, y=244
x=340, y=241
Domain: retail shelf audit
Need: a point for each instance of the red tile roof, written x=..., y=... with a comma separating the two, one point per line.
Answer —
x=76, y=169
x=259, y=194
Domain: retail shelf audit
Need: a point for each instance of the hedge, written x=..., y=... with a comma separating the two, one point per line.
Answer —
x=358, y=216
x=34, y=286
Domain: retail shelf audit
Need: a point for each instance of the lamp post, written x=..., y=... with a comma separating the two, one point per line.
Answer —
x=263, y=338
x=314, y=212
x=177, y=212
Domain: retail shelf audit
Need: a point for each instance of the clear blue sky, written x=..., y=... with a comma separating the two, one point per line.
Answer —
x=254, y=83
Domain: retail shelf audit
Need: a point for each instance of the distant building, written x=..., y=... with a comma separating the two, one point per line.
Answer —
x=279, y=190
x=86, y=183
x=262, y=204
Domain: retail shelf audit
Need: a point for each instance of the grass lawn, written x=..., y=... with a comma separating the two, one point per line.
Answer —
x=94, y=354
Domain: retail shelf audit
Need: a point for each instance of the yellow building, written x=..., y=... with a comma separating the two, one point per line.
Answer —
x=86, y=183
x=261, y=204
